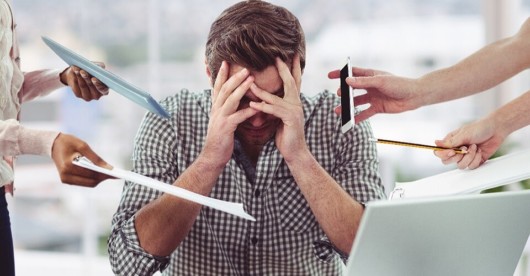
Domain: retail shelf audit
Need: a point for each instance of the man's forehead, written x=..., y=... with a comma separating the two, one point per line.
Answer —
x=268, y=79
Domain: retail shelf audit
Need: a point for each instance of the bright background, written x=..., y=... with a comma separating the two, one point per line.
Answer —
x=159, y=46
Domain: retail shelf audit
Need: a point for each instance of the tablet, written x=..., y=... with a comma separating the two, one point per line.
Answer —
x=112, y=81
x=346, y=98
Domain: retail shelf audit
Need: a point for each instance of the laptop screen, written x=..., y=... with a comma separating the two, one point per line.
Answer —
x=480, y=234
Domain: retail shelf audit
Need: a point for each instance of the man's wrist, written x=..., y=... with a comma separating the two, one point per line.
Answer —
x=209, y=164
x=301, y=160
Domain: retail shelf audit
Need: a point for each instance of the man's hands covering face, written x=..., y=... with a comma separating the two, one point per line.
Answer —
x=290, y=135
x=224, y=115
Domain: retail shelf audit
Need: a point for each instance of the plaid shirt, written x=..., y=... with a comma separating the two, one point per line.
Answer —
x=286, y=239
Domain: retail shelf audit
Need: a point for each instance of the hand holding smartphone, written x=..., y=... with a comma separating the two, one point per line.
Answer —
x=346, y=98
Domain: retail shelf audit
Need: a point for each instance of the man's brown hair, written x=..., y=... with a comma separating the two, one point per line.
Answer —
x=252, y=34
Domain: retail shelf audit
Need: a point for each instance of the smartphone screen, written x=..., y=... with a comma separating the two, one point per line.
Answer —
x=346, y=98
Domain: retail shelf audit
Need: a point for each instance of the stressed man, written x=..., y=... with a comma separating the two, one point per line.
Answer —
x=255, y=139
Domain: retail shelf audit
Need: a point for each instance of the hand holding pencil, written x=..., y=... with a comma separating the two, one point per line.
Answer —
x=469, y=146
x=484, y=137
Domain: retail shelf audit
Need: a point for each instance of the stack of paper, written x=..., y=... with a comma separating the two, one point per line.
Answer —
x=494, y=173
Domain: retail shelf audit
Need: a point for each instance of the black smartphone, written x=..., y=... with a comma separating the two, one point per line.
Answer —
x=346, y=98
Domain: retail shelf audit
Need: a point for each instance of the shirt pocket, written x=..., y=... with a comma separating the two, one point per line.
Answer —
x=293, y=209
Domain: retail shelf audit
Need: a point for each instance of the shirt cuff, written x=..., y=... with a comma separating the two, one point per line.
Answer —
x=150, y=263
x=325, y=250
x=37, y=142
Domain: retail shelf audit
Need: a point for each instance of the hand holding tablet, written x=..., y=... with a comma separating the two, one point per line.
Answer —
x=112, y=81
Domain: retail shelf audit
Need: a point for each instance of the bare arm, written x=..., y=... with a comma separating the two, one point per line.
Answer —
x=512, y=116
x=43, y=82
x=335, y=210
x=486, y=135
x=482, y=70
x=173, y=217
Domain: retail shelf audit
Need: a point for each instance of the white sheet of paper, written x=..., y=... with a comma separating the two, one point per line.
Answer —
x=225, y=206
x=496, y=172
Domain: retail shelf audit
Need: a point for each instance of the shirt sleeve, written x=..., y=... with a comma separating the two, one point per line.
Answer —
x=39, y=83
x=15, y=139
x=127, y=257
x=357, y=169
x=152, y=157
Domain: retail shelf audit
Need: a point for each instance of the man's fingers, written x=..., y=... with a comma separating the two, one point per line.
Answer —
x=221, y=78
x=234, y=99
x=242, y=115
x=297, y=71
x=291, y=91
x=228, y=87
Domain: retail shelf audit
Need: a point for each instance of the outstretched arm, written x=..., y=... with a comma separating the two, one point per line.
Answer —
x=482, y=70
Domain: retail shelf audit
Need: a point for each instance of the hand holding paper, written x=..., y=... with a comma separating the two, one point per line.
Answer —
x=225, y=206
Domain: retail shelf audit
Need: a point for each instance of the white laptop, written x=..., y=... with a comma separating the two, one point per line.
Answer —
x=481, y=234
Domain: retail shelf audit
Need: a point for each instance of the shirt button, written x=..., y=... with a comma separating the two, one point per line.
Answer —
x=254, y=240
x=257, y=193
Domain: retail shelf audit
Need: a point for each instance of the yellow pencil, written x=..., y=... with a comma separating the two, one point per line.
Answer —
x=414, y=145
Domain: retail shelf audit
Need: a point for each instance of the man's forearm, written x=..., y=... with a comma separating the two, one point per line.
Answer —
x=336, y=212
x=164, y=223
